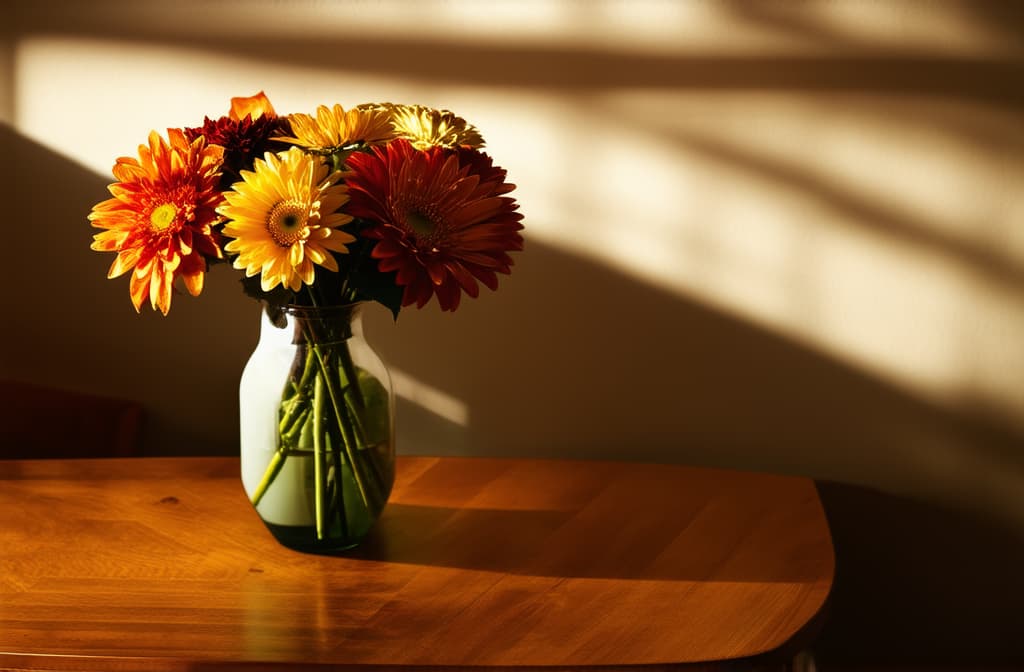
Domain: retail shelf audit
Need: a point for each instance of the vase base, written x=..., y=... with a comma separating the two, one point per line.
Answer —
x=303, y=538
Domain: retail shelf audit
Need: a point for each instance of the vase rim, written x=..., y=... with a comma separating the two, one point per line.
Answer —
x=300, y=310
x=281, y=315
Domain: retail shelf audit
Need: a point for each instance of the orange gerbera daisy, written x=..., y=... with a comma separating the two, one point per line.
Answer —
x=439, y=218
x=253, y=107
x=160, y=218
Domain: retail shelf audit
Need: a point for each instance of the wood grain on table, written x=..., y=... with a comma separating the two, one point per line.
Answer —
x=161, y=564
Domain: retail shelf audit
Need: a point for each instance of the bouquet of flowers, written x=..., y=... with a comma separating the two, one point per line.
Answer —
x=392, y=203
x=381, y=202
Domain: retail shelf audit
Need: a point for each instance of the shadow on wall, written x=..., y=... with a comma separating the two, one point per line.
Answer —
x=570, y=358
x=73, y=329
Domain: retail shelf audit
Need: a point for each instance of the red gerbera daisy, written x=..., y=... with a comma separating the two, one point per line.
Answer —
x=439, y=216
x=243, y=140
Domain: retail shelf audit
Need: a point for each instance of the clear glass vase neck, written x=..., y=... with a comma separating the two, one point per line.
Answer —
x=312, y=324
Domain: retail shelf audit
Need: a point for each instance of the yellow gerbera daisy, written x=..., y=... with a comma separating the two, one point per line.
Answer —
x=334, y=128
x=284, y=218
x=426, y=127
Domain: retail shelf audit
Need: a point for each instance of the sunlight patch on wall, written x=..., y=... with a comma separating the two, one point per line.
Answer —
x=879, y=233
x=133, y=87
x=930, y=28
x=430, y=398
x=94, y=100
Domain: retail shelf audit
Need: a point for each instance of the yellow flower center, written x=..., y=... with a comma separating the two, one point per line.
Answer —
x=163, y=216
x=287, y=222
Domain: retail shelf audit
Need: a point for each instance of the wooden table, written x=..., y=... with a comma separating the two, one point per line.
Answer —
x=159, y=564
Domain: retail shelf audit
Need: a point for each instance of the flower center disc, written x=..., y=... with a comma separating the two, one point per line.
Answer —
x=421, y=224
x=287, y=222
x=163, y=216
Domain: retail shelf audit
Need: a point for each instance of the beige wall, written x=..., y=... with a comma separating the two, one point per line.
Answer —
x=772, y=235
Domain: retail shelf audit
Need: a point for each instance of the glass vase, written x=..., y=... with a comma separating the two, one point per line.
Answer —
x=317, y=427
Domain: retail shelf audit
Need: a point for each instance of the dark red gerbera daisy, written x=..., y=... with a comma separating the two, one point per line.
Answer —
x=243, y=141
x=440, y=218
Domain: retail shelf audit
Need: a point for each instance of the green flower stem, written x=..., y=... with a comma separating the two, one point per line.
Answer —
x=276, y=462
x=356, y=404
x=337, y=491
x=294, y=406
x=307, y=371
x=348, y=371
x=346, y=431
x=318, y=452
x=305, y=442
x=290, y=436
x=365, y=479
x=356, y=414
x=291, y=410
